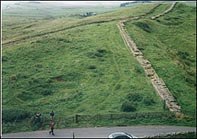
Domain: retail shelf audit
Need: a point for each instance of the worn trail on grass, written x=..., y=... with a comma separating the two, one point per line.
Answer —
x=157, y=82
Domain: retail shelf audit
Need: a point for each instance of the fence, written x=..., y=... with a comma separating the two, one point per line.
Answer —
x=80, y=120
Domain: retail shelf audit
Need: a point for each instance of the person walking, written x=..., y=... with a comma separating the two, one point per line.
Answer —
x=51, y=127
x=38, y=117
x=51, y=115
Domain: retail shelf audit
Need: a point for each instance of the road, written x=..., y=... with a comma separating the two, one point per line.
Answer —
x=102, y=132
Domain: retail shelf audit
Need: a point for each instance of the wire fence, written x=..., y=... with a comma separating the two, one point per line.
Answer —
x=88, y=119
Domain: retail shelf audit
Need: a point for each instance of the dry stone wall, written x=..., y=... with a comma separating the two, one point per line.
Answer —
x=165, y=12
x=157, y=82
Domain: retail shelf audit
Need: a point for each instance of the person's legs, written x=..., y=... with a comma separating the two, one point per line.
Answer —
x=52, y=131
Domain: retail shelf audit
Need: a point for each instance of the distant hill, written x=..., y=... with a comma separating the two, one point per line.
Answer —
x=133, y=3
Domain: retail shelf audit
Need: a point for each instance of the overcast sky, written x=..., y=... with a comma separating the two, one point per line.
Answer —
x=75, y=2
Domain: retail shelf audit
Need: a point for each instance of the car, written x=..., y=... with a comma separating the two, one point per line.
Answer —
x=121, y=135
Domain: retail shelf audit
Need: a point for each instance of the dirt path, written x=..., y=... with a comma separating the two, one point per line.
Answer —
x=157, y=82
x=103, y=132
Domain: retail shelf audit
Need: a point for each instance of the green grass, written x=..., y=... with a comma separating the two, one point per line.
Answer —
x=12, y=26
x=161, y=7
x=170, y=45
x=25, y=19
x=87, y=69
x=56, y=72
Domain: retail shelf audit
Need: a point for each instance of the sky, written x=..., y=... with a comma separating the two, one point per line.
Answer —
x=76, y=2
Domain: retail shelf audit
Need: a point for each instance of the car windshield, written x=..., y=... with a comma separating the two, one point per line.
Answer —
x=123, y=137
x=120, y=135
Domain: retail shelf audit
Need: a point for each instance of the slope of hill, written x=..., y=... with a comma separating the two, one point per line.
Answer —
x=169, y=42
x=36, y=28
x=82, y=66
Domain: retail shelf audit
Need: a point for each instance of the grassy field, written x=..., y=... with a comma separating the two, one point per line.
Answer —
x=56, y=72
x=87, y=69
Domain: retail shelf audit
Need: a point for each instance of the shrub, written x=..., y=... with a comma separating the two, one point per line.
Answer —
x=92, y=67
x=144, y=26
x=36, y=123
x=148, y=101
x=138, y=70
x=4, y=58
x=118, y=86
x=13, y=77
x=47, y=92
x=128, y=106
x=190, y=81
x=183, y=55
x=10, y=115
x=172, y=20
x=102, y=51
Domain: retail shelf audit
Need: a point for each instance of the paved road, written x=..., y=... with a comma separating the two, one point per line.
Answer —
x=102, y=132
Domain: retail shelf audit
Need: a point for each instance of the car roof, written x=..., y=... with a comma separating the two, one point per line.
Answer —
x=119, y=133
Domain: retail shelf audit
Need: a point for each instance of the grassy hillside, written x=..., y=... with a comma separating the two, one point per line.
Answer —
x=25, y=19
x=15, y=29
x=170, y=44
x=82, y=66
x=73, y=72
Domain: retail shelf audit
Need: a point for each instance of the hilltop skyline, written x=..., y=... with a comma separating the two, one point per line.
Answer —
x=72, y=3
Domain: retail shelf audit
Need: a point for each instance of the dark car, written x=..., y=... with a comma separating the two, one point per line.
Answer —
x=121, y=135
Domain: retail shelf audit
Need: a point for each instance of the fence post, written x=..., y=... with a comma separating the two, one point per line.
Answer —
x=164, y=104
x=111, y=116
x=73, y=135
x=65, y=120
x=73, y=117
x=97, y=117
x=76, y=118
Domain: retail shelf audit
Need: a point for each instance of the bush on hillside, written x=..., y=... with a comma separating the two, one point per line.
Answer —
x=11, y=115
x=92, y=67
x=128, y=106
x=148, y=101
x=138, y=70
x=183, y=55
x=144, y=26
x=4, y=58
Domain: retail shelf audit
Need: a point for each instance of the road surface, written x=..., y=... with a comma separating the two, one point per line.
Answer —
x=102, y=132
